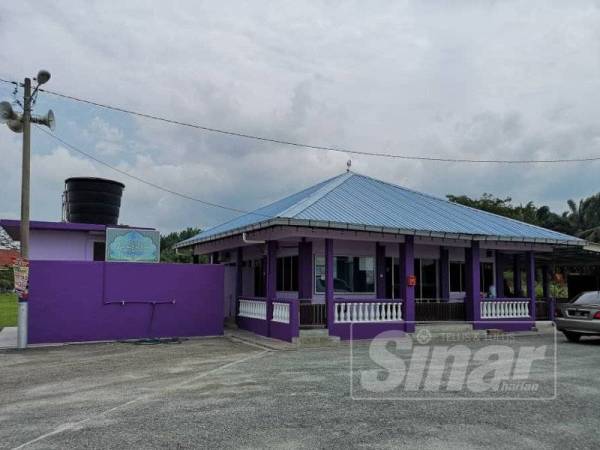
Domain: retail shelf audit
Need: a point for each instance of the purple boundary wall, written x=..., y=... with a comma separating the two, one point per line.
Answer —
x=358, y=330
x=363, y=330
x=277, y=330
x=75, y=301
x=510, y=324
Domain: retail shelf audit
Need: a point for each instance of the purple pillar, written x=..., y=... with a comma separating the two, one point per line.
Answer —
x=545, y=282
x=329, y=281
x=473, y=290
x=380, y=270
x=304, y=269
x=530, y=262
x=407, y=292
x=239, y=264
x=271, y=281
x=499, y=264
x=551, y=308
x=517, y=277
x=263, y=291
x=445, y=273
x=551, y=302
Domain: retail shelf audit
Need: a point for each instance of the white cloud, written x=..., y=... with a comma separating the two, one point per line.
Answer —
x=475, y=80
x=108, y=139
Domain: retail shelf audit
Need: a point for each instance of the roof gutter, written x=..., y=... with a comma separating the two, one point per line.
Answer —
x=376, y=229
x=250, y=241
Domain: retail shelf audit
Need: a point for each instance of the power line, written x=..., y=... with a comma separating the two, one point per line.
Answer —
x=314, y=147
x=9, y=81
x=141, y=180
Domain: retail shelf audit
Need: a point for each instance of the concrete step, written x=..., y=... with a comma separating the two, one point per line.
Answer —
x=451, y=332
x=256, y=340
x=316, y=338
x=314, y=332
x=444, y=327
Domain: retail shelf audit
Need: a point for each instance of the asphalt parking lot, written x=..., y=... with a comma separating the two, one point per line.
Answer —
x=218, y=393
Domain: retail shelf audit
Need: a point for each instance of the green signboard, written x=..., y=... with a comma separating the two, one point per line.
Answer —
x=132, y=245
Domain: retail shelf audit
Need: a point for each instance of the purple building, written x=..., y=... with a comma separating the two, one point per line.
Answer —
x=356, y=253
x=91, y=279
x=76, y=296
x=62, y=241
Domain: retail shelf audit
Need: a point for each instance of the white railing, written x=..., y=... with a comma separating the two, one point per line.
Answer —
x=500, y=309
x=253, y=309
x=345, y=312
x=281, y=312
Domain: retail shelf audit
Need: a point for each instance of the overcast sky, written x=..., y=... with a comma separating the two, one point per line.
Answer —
x=496, y=79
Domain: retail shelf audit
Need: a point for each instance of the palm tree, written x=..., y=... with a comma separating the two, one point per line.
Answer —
x=575, y=215
x=585, y=217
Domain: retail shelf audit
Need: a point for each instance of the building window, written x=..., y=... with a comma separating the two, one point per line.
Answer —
x=354, y=274
x=287, y=273
x=458, y=281
x=486, y=276
x=426, y=273
x=458, y=277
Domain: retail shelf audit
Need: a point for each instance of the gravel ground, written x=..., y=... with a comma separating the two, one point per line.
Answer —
x=217, y=393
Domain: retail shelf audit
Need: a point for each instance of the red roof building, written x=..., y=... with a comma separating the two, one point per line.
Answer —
x=7, y=256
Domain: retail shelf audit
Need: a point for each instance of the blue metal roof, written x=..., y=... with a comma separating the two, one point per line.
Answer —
x=357, y=200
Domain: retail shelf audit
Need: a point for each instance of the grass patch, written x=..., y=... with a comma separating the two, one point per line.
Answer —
x=8, y=310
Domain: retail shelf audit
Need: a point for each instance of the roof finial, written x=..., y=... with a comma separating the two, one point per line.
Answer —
x=348, y=165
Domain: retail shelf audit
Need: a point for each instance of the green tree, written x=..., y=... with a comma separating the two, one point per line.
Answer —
x=584, y=217
x=542, y=216
x=168, y=254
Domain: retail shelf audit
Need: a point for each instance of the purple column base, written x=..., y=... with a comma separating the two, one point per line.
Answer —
x=283, y=331
x=287, y=331
x=551, y=308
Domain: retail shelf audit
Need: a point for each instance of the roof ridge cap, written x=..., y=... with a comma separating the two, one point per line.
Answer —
x=305, y=203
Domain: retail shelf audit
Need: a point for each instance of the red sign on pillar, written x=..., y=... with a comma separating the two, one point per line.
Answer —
x=411, y=281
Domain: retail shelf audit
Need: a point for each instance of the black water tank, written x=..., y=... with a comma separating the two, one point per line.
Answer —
x=93, y=200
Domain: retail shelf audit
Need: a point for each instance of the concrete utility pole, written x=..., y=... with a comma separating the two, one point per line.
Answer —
x=24, y=231
x=21, y=123
x=25, y=169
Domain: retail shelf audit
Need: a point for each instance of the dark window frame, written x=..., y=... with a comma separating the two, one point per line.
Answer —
x=462, y=276
x=319, y=270
x=287, y=273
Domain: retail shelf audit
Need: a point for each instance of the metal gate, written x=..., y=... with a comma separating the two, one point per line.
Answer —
x=312, y=315
x=439, y=310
